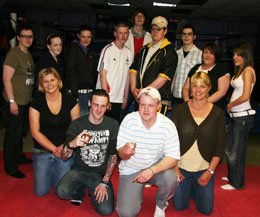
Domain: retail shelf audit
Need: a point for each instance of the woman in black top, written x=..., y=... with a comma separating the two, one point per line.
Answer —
x=51, y=57
x=219, y=76
x=50, y=115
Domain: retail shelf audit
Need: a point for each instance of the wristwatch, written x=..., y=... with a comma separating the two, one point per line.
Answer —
x=211, y=171
x=11, y=100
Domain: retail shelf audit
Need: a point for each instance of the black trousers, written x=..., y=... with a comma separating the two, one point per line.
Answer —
x=16, y=127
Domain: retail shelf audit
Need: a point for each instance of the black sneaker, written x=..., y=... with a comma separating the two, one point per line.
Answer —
x=18, y=174
x=75, y=202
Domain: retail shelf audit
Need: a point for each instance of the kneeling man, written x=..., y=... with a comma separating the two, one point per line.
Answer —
x=93, y=138
x=148, y=145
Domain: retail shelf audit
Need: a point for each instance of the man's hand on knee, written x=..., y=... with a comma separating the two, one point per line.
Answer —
x=144, y=176
x=101, y=193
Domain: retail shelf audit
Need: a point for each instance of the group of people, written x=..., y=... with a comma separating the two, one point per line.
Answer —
x=75, y=127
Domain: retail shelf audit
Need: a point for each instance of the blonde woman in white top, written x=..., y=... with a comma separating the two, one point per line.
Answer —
x=241, y=116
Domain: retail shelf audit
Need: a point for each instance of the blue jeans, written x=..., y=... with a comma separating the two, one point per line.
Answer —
x=48, y=170
x=74, y=184
x=237, y=135
x=83, y=103
x=189, y=187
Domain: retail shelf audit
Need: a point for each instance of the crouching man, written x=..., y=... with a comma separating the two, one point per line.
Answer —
x=148, y=145
x=93, y=138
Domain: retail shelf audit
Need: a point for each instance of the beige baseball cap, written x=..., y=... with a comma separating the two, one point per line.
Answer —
x=160, y=21
x=151, y=91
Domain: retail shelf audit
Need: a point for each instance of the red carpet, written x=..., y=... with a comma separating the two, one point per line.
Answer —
x=18, y=200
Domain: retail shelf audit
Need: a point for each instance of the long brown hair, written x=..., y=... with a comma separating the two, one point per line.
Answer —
x=244, y=50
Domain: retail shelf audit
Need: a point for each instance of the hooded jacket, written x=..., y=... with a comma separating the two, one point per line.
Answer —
x=162, y=63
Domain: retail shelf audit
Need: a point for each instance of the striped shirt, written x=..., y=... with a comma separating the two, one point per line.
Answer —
x=153, y=144
x=183, y=68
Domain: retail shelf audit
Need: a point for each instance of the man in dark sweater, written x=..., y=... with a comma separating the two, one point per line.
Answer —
x=93, y=138
x=80, y=68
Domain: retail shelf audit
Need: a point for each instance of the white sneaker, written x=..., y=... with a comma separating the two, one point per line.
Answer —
x=159, y=212
x=75, y=202
x=227, y=187
x=224, y=178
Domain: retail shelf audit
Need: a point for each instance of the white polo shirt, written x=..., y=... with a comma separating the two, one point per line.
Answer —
x=160, y=141
x=116, y=62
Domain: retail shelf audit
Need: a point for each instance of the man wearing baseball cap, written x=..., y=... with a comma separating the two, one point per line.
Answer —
x=148, y=145
x=155, y=64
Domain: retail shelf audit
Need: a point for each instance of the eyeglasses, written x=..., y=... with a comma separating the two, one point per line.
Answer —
x=188, y=34
x=27, y=36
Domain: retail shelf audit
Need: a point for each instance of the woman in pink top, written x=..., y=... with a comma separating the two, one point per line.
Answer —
x=241, y=116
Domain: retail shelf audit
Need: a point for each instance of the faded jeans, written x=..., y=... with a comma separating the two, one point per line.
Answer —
x=48, y=170
x=237, y=135
x=74, y=184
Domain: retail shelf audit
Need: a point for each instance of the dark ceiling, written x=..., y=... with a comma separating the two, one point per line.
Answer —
x=226, y=10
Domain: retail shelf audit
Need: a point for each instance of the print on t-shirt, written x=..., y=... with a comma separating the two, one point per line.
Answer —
x=30, y=74
x=93, y=154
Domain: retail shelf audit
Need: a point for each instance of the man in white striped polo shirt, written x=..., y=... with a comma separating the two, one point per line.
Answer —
x=148, y=145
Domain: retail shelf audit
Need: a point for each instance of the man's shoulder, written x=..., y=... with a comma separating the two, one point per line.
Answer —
x=108, y=48
x=168, y=46
x=110, y=121
x=81, y=120
x=196, y=49
x=163, y=118
x=14, y=51
x=13, y=57
x=110, y=45
x=127, y=49
x=180, y=50
x=132, y=117
x=165, y=124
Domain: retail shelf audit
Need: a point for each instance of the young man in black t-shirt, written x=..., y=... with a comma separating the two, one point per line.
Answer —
x=93, y=138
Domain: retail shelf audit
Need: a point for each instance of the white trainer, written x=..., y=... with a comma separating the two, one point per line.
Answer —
x=159, y=212
x=227, y=187
x=224, y=178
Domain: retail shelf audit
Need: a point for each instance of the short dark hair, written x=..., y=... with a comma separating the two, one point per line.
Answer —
x=133, y=15
x=120, y=24
x=23, y=26
x=84, y=28
x=99, y=92
x=189, y=26
x=51, y=36
x=213, y=48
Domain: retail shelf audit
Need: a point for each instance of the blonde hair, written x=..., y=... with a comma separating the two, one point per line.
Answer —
x=201, y=76
x=47, y=71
